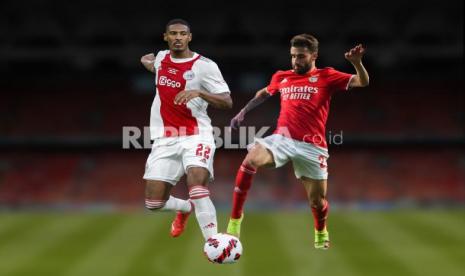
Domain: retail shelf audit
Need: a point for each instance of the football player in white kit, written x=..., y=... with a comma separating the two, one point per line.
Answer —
x=186, y=83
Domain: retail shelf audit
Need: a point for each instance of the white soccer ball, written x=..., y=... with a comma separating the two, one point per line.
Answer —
x=223, y=249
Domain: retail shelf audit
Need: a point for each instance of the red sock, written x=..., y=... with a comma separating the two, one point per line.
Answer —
x=320, y=216
x=243, y=182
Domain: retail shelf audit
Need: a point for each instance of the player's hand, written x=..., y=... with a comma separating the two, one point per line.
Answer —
x=148, y=58
x=186, y=95
x=237, y=120
x=355, y=54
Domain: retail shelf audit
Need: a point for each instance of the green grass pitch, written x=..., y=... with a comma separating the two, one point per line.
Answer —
x=404, y=242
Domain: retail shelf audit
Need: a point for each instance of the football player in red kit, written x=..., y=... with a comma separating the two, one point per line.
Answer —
x=305, y=93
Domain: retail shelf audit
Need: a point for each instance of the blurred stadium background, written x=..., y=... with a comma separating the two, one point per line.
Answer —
x=71, y=199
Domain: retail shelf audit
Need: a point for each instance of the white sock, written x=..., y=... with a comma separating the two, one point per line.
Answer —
x=204, y=211
x=176, y=204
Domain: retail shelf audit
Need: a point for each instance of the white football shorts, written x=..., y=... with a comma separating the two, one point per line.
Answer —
x=307, y=159
x=171, y=157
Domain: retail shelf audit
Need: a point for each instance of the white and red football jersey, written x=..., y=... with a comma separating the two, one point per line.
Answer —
x=173, y=76
x=305, y=102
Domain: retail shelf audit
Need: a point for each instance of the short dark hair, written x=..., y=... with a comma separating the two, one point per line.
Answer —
x=178, y=21
x=306, y=41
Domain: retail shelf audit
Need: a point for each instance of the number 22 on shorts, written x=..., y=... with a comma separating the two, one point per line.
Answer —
x=203, y=151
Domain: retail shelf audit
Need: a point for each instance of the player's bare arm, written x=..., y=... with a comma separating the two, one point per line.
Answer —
x=148, y=61
x=259, y=98
x=354, y=56
x=220, y=100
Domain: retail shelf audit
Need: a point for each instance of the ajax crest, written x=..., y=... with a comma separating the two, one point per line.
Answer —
x=188, y=75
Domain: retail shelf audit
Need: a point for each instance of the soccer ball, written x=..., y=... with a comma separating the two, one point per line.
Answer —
x=223, y=249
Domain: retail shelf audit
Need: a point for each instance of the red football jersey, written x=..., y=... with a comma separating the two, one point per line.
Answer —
x=173, y=76
x=305, y=102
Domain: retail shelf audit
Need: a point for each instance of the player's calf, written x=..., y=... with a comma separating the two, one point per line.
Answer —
x=204, y=210
x=320, y=212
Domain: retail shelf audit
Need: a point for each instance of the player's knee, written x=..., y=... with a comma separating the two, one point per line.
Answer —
x=253, y=161
x=258, y=157
x=154, y=204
